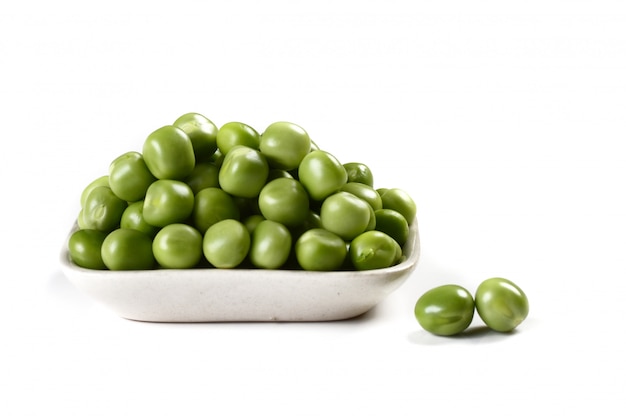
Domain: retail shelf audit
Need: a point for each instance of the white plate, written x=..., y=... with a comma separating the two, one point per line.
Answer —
x=223, y=295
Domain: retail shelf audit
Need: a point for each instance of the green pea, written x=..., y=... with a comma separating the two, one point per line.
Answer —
x=321, y=174
x=359, y=173
x=501, y=304
x=168, y=153
x=373, y=250
x=212, y=205
x=201, y=131
x=392, y=223
x=129, y=177
x=270, y=245
x=321, y=250
x=125, y=249
x=203, y=175
x=101, y=181
x=445, y=310
x=365, y=192
x=85, y=247
x=103, y=210
x=284, y=200
x=167, y=202
x=133, y=218
x=243, y=172
x=399, y=200
x=284, y=145
x=177, y=246
x=234, y=134
x=226, y=244
x=345, y=215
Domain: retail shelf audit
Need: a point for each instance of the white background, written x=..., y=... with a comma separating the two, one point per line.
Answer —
x=502, y=119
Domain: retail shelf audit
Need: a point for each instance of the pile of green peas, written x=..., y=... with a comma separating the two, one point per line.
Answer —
x=449, y=309
x=231, y=197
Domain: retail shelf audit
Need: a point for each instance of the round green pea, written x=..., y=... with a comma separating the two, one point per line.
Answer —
x=201, y=131
x=284, y=144
x=133, y=218
x=320, y=250
x=345, y=215
x=103, y=210
x=177, y=246
x=226, y=244
x=501, y=304
x=129, y=177
x=392, y=223
x=212, y=205
x=168, y=153
x=365, y=192
x=373, y=250
x=321, y=174
x=234, y=134
x=100, y=181
x=284, y=200
x=359, y=173
x=167, y=202
x=445, y=310
x=126, y=249
x=399, y=200
x=243, y=172
x=203, y=175
x=85, y=248
x=270, y=245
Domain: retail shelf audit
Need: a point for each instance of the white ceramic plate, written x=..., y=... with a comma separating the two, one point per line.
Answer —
x=217, y=295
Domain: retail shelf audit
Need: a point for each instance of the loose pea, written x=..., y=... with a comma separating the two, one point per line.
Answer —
x=445, y=310
x=501, y=304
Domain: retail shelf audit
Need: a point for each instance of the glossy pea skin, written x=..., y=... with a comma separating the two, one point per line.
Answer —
x=133, y=219
x=284, y=144
x=226, y=244
x=501, y=304
x=320, y=250
x=203, y=175
x=125, y=249
x=365, y=192
x=234, y=134
x=100, y=181
x=168, y=153
x=373, y=250
x=359, y=173
x=345, y=215
x=392, y=223
x=284, y=200
x=270, y=245
x=212, y=205
x=129, y=177
x=321, y=174
x=445, y=310
x=103, y=210
x=399, y=200
x=85, y=248
x=167, y=202
x=177, y=246
x=243, y=172
x=201, y=131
